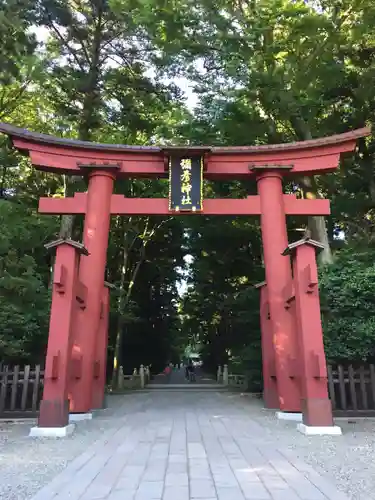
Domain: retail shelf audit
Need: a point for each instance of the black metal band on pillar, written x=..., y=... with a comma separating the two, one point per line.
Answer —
x=185, y=183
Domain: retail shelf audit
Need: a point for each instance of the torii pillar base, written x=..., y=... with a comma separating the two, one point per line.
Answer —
x=330, y=430
x=78, y=417
x=316, y=405
x=289, y=416
x=52, y=432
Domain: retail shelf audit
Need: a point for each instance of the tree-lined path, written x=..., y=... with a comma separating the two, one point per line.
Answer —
x=191, y=445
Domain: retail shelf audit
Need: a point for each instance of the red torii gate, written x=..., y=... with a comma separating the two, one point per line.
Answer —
x=77, y=346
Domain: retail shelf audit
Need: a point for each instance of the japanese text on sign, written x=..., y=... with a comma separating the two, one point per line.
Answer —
x=186, y=185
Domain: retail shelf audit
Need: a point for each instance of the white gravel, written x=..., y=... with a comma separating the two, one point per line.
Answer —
x=27, y=464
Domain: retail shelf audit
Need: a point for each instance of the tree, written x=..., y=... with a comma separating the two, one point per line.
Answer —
x=347, y=297
x=24, y=279
x=18, y=63
x=97, y=62
x=279, y=69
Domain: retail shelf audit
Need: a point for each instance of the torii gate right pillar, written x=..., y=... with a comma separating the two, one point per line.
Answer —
x=278, y=272
x=316, y=406
x=91, y=273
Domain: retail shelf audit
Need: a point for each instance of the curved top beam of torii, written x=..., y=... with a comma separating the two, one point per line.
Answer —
x=68, y=156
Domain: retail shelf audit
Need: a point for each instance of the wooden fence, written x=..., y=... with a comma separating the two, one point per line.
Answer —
x=351, y=389
x=20, y=390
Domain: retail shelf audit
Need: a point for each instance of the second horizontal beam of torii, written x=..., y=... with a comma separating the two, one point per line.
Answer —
x=120, y=205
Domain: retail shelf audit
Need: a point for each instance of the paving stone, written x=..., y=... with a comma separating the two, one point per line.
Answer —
x=176, y=468
x=276, y=483
x=132, y=471
x=125, y=494
x=150, y=490
x=181, y=479
x=102, y=485
x=196, y=450
x=154, y=472
x=196, y=473
x=229, y=494
x=176, y=493
x=247, y=476
x=202, y=488
x=225, y=479
x=177, y=458
x=127, y=483
x=284, y=494
x=255, y=491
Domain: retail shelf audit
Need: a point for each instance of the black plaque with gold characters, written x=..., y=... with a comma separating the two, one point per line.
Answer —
x=185, y=183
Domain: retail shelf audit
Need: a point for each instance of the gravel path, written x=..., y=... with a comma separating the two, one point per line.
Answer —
x=27, y=464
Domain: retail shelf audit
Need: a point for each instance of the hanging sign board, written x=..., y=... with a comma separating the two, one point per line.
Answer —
x=185, y=183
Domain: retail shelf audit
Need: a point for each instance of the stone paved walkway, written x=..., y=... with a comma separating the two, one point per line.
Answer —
x=183, y=446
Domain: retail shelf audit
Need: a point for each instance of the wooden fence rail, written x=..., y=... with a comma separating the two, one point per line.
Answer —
x=20, y=390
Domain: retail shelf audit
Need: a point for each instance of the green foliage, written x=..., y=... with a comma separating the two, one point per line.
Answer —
x=347, y=298
x=24, y=300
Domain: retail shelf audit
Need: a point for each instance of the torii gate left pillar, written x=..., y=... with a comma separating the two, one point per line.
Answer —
x=278, y=272
x=67, y=293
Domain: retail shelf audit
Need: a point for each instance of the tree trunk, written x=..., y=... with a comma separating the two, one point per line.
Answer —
x=87, y=122
x=90, y=103
x=125, y=294
x=116, y=355
x=316, y=225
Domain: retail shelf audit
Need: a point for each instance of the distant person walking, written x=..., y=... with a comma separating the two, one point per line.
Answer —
x=190, y=371
x=168, y=372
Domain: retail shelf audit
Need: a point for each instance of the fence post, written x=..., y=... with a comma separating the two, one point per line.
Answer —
x=219, y=374
x=142, y=376
x=120, y=379
x=26, y=375
x=3, y=388
x=225, y=375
